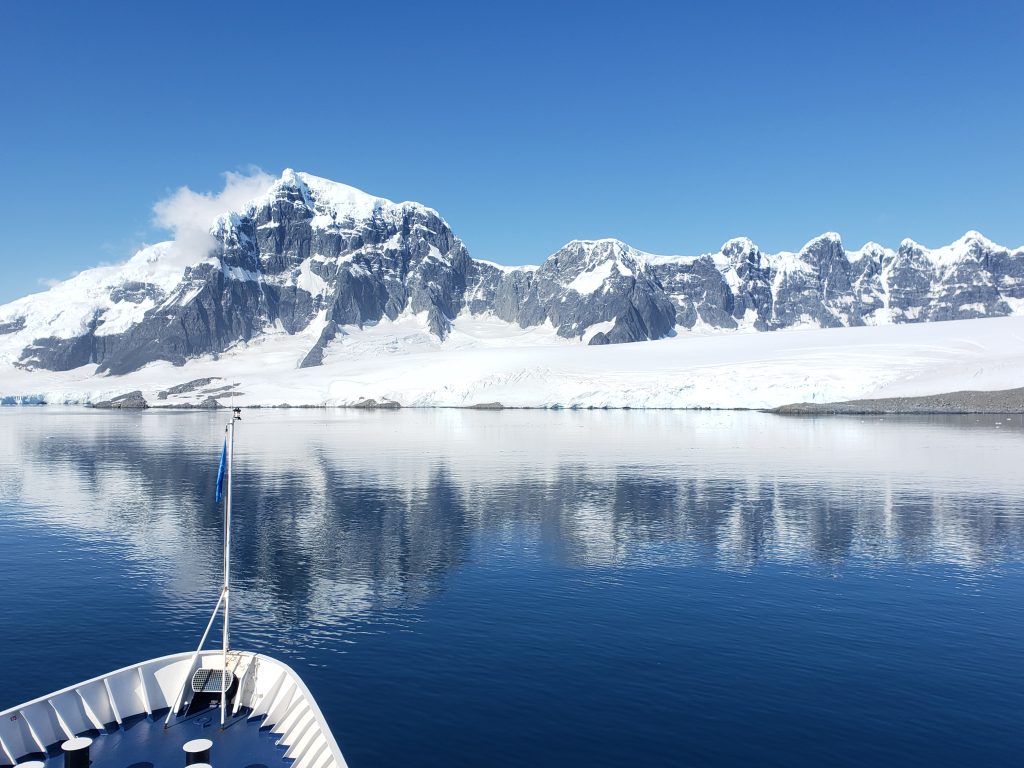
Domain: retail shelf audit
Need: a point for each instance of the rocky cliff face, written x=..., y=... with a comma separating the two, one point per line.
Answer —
x=317, y=257
x=586, y=283
x=309, y=251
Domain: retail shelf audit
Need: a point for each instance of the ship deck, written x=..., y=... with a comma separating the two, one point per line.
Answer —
x=143, y=742
x=123, y=712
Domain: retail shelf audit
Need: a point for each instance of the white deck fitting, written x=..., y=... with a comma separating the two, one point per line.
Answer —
x=267, y=687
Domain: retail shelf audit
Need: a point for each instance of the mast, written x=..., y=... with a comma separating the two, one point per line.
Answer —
x=227, y=548
x=225, y=590
x=235, y=416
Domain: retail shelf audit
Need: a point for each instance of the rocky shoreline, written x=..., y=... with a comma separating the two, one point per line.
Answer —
x=212, y=393
x=1006, y=401
x=966, y=401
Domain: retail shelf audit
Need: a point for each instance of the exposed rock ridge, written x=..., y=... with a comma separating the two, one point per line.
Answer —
x=312, y=256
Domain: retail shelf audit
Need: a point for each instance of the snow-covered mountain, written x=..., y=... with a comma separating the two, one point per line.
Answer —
x=316, y=260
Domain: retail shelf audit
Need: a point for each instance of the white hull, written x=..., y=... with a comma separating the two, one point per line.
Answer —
x=267, y=689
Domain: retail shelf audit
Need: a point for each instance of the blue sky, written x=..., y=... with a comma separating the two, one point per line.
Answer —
x=671, y=126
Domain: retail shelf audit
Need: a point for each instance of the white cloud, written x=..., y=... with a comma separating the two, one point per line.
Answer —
x=189, y=215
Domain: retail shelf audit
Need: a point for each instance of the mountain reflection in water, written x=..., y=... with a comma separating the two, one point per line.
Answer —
x=351, y=522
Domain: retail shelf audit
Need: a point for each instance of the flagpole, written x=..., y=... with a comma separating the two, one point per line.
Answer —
x=227, y=572
x=227, y=550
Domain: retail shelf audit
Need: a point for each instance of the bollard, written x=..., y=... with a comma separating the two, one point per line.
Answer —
x=197, y=751
x=76, y=752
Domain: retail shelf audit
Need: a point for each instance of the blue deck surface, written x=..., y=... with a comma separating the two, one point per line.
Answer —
x=144, y=743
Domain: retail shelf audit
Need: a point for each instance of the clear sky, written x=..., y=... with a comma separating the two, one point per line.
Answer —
x=672, y=126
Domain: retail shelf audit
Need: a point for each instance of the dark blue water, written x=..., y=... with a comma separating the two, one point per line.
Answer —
x=537, y=588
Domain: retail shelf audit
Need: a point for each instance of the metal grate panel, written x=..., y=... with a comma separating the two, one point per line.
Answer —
x=211, y=681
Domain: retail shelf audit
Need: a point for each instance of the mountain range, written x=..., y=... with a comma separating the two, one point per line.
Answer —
x=322, y=258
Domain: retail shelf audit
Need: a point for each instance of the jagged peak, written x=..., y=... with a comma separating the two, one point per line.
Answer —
x=974, y=236
x=589, y=245
x=334, y=198
x=830, y=237
x=870, y=249
x=289, y=177
x=737, y=251
x=962, y=250
x=330, y=195
x=605, y=248
x=968, y=237
x=743, y=243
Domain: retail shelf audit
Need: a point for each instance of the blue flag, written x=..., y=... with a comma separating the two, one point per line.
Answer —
x=220, y=472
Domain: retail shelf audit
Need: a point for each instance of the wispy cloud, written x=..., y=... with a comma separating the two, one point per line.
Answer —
x=189, y=214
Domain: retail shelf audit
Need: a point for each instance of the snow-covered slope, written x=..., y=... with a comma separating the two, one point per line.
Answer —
x=110, y=298
x=481, y=362
x=313, y=274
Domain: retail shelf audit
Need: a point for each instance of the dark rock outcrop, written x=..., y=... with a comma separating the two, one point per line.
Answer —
x=12, y=326
x=370, y=403
x=128, y=401
x=186, y=387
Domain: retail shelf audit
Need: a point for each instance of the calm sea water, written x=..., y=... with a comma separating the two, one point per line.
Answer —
x=546, y=588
